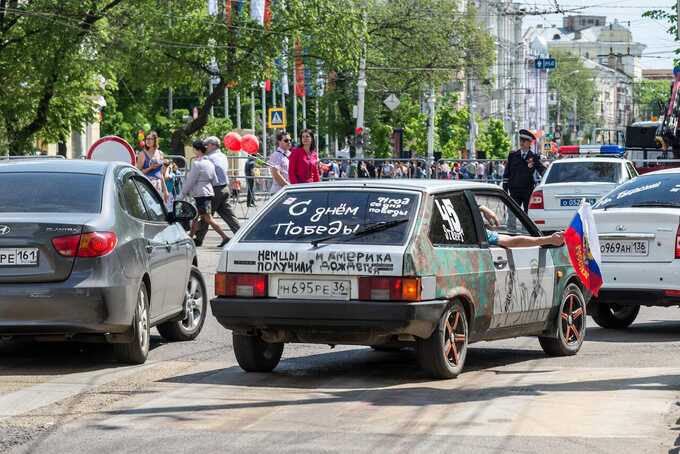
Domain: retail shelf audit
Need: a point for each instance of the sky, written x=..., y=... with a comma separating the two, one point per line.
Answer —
x=660, y=45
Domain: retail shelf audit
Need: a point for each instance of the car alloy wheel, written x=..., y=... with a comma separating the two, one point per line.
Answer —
x=455, y=338
x=142, y=322
x=193, y=304
x=572, y=319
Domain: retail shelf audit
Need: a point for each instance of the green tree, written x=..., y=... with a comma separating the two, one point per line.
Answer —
x=55, y=62
x=453, y=126
x=650, y=96
x=576, y=92
x=494, y=142
x=412, y=46
x=55, y=53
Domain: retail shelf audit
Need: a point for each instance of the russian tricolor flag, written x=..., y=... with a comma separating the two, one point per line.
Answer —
x=584, y=248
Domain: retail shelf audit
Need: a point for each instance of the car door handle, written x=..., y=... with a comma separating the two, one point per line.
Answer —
x=168, y=246
x=149, y=248
x=500, y=263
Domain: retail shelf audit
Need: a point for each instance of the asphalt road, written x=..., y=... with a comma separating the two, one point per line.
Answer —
x=621, y=394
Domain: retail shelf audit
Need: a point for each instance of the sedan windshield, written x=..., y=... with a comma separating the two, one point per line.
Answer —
x=660, y=190
x=594, y=171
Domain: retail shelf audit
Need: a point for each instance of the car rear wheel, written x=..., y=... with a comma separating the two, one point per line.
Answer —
x=571, y=325
x=614, y=316
x=255, y=355
x=136, y=351
x=195, y=307
x=443, y=354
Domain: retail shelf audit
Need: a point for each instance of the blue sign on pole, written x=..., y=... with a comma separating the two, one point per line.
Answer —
x=545, y=63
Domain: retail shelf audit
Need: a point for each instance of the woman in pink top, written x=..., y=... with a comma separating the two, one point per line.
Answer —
x=303, y=162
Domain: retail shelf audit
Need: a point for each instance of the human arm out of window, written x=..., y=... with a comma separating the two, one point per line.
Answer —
x=507, y=241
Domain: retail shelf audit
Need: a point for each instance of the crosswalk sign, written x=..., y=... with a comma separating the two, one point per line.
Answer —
x=276, y=118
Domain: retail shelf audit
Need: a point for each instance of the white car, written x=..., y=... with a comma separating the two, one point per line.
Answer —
x=638, y=227
x=568, y=181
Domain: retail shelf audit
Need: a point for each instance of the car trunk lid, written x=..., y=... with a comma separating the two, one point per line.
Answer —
x=568, y=196
x=637, y=234
x=27, y=254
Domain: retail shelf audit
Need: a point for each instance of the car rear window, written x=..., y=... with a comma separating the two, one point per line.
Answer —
x=46, y=192
x=645, y=191
x=339, y=216
x=599, y=172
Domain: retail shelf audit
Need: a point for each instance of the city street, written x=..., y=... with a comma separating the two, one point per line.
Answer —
x=621, y=393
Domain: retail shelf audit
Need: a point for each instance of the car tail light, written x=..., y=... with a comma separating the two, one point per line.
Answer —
x=241, y=284
x=674, y=293
x=389, y=288
x=93, y=244
x=677, y=244
x=536, y=201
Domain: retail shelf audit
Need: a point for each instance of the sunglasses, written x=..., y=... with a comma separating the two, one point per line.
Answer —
x=285, y=140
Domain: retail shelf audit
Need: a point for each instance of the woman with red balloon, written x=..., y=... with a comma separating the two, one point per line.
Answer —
x=303, y=164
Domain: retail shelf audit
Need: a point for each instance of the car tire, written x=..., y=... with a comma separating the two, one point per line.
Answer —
x=254, y=354
x=613, y=316
x=443, y=354
x=571, y=320
x=194, y=310
x=136, y=351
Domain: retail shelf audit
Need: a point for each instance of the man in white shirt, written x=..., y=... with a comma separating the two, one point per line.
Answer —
x=221, y=187
x=278, y=162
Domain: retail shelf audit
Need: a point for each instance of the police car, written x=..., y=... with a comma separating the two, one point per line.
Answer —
x=586, y=172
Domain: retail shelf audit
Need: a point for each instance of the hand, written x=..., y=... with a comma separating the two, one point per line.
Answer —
x=155, y=164
x=556, y=239
x=530, y=164
x=490, y=217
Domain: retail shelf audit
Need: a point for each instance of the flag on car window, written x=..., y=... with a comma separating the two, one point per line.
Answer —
x=584, y=248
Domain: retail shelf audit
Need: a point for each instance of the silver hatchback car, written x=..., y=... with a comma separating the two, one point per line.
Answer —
x=88, y=252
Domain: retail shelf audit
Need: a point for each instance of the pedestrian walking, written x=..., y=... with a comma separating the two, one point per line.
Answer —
x=250, y=180
x=150, y=162
x=220, y=203
x=518, y=177
x=481, y=171
x=199, y=184
x=304, y=160
x=279, y=163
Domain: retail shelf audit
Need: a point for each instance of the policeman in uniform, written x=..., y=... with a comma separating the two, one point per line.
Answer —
x=519, y=173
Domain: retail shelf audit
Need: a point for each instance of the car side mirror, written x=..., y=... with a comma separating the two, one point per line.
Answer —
x=182, y=211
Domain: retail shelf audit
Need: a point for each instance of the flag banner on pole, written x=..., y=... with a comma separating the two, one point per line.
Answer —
x=299, y=69
x=267, y=13
x=583, y=245
x=257, y=11
x=239, y=6
x=227, y=12
x=284, y=67
x=212, y=7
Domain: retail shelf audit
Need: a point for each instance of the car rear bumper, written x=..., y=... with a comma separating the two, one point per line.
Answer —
x=331, y=317
x=66, y=308
x=636, y=297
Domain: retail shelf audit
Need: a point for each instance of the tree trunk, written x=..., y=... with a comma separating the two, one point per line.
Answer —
x=180, y=135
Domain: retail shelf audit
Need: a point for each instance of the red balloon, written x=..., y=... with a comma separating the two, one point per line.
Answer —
x=250, y=144
x=233, y=141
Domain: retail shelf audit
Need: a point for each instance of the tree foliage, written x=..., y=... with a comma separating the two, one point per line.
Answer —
x=494, y=142
x=574, y=83
x=650, y=96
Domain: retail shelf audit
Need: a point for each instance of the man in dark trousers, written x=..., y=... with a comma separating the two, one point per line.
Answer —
x=220, y=202
x=520, y=169
x=250, y=180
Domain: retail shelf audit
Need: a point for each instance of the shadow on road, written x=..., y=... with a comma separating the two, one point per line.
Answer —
x=646, y=332
x=58, y=358
x=375, y=393
x=358, y=368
